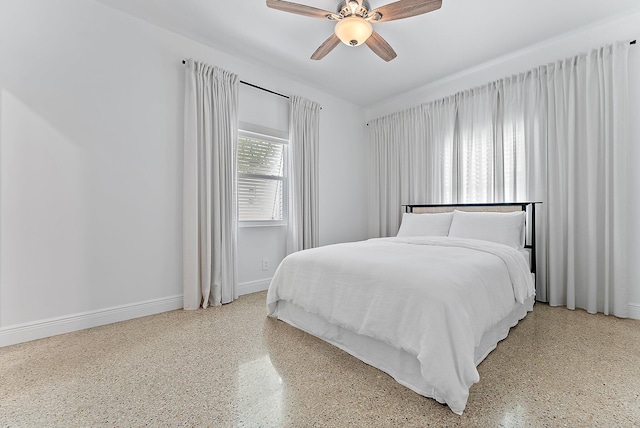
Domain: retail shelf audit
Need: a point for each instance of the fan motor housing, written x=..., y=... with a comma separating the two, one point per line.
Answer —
x=362, y=10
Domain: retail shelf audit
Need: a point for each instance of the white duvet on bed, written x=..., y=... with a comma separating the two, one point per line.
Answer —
x=433, y=297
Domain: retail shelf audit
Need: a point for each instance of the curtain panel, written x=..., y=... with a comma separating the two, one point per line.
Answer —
x=209, y=198
x=556, y=134
x=584, y=104
x=304, y=137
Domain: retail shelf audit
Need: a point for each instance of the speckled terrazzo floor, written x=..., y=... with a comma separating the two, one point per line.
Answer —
x=232, y=366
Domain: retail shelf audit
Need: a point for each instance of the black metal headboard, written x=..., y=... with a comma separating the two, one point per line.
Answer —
x=528, y=207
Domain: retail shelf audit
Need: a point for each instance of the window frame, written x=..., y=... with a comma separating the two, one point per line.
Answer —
x=248, y=130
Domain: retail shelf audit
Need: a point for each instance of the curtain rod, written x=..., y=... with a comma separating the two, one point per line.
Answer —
x=257, y=87
x=264, y=89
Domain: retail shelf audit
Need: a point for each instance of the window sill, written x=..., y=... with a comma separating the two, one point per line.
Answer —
x=261, y=224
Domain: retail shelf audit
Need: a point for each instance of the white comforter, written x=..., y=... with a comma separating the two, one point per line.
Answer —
x=431, y=297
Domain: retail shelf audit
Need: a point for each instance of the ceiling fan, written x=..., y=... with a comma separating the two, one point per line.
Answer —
x=353, y=22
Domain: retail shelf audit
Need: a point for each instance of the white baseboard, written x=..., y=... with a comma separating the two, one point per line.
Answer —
x=253, y=286
x=634, y=310
x=53, y=326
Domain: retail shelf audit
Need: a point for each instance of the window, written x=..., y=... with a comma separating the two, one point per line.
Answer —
x=515, y=168
x=478, y=168
x=491, y=150
x=262, y=183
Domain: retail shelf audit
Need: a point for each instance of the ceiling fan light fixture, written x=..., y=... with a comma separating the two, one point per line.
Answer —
x=353, y=30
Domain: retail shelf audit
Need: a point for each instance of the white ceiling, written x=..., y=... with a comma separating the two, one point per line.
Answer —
x=460, y=35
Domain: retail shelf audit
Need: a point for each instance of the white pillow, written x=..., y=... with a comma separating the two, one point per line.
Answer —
x=503, y=228
x=425, y=224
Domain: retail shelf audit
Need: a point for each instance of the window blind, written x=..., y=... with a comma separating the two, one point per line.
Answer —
x=261, y=179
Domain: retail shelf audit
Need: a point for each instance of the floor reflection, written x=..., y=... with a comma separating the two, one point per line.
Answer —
x=260, y=394
x=514, y=418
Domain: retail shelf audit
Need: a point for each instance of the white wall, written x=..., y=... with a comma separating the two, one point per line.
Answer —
x=619, y=29
x=91, y=166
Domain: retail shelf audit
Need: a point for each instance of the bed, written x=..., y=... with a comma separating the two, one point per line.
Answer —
x=426, y=306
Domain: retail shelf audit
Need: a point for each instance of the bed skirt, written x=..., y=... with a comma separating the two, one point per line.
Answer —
x=401, y=365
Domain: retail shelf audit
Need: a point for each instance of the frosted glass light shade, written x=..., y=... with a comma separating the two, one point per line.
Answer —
x=353, y=30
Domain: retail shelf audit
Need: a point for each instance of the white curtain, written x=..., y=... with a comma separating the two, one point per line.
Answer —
x=586, y=104
x=411, y=158
x=304, y=136
x=209, y=201
x=391, y=142
x=454, y=150
x=556, y=134
x=524, y=131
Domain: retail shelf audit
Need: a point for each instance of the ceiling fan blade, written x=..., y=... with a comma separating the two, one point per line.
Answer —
x=381, y=47
x=404, y=9
x=326, y=47
x=301, y=9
